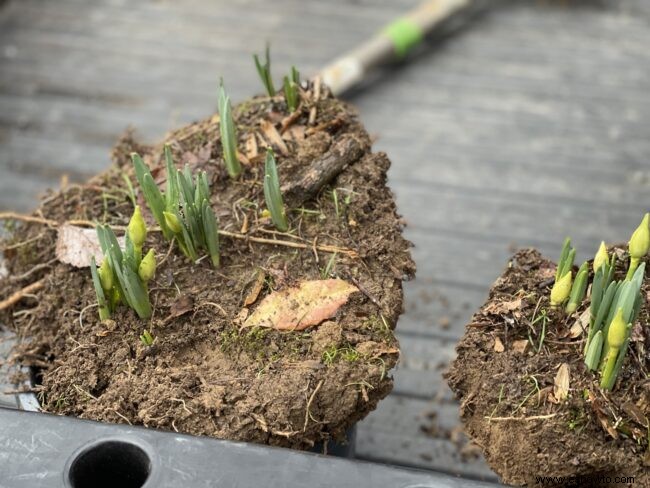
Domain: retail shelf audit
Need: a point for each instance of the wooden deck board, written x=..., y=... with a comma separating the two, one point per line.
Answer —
x=527, y=124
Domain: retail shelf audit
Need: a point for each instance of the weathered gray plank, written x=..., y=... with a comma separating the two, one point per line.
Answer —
x=398, y=422
x=438, y=310
x=419, y=373
x=420, y=452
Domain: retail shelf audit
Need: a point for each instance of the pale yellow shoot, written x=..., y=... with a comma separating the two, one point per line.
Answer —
x=601, y=257
x=172, y=222
x=561, y=290
x=640, y=240
x=137, y=229
x=147, y=268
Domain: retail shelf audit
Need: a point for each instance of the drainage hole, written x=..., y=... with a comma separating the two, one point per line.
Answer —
x=110, y=464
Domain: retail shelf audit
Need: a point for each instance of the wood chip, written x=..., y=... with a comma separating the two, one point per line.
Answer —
x=561, y=383
x=520, y=346
x=498, y=345
x=289, y=120
x=273, y=136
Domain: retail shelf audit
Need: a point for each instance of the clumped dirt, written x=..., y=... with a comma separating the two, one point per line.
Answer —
x=204, y=374
x=508, y=405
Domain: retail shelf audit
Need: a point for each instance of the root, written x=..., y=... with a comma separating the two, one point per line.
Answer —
x=31, y=271
x=23, y=243
x=17, y=296
x=234, y=235
x=309, y=402
x=27, y=218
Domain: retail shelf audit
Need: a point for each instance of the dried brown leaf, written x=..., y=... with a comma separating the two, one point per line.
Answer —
x=561, y=383
x=635, y=413
x=256, y=288
x=580, y=325
x=297, y=308
x=502, y=307
x=76, y=245
x=250, y=147
x=273, y=136
x=181, y=306
x=498, y=345
x=605, y=423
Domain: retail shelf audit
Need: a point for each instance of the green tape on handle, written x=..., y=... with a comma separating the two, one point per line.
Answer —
x=404, y=34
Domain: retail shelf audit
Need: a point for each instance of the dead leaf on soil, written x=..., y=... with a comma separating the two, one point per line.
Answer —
x=273, y=136
x=605, y=423
x=243, y=159
x=198, y=158
x=561, y=383
x=256, y=288
x=635, y=413
x=546, y=273
x=580, y=325
x=637, y=334
x=297, y=133
x=76, y=245
x=499, y=308
x=250, y=147
x=297, y=308
x=498, y=345
x=181, y=306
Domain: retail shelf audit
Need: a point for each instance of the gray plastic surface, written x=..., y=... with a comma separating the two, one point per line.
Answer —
x=37, y=449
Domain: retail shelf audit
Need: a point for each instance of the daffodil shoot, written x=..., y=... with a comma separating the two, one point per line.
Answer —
x=614, y=304
x=272, y=194
x=183, y=212
x=123, y=275
x=639, y=244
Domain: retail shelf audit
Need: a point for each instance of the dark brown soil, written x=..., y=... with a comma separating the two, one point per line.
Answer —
x=204, y=375
x=508, y=404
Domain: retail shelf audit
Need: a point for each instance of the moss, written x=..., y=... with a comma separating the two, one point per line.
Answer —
x=250, y=341
x=345, y=353
x=379, y=325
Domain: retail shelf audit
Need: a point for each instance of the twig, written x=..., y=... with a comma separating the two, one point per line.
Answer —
x=298, y=245
x=216, y=305
x=17, y=296
x=234, y=235
x=534, y=417
x=169, y=251
x=363, y=290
